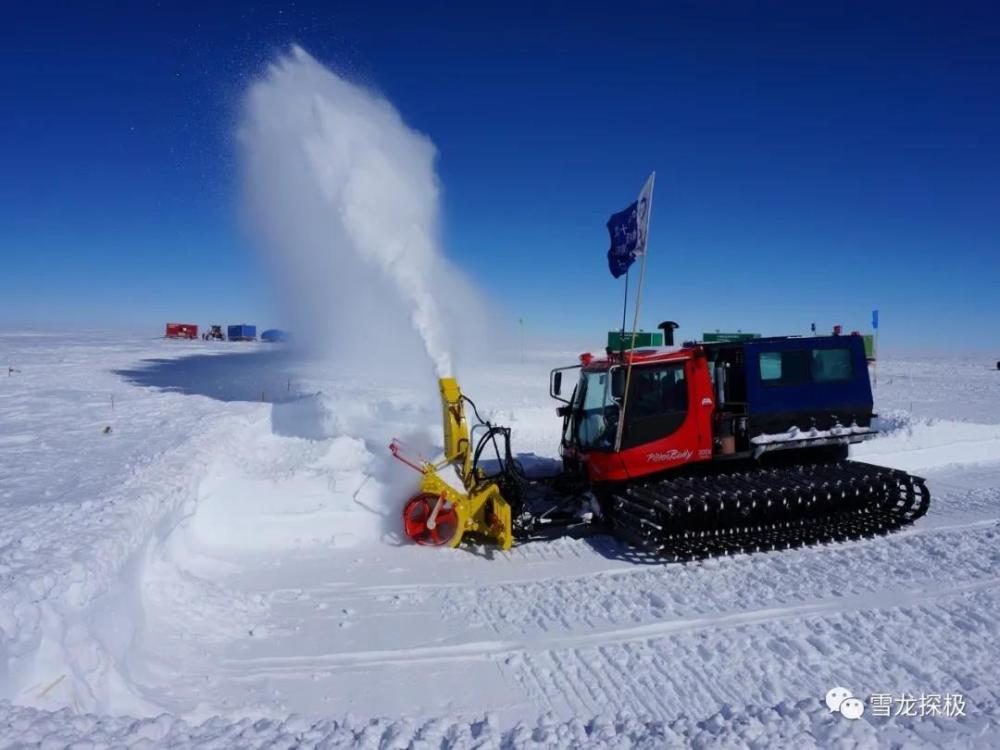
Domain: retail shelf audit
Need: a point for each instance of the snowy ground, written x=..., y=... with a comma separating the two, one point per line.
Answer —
x=224, y=565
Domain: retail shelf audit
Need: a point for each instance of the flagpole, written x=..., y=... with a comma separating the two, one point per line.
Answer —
x=635, y=324
x=628, y=370
x=875, y=346
x=621, y=338
x=875, y=357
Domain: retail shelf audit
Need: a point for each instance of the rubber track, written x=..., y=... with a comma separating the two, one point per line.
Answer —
x=765, y=509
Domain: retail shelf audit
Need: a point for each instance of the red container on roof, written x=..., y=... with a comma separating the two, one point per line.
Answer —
x=182, y=331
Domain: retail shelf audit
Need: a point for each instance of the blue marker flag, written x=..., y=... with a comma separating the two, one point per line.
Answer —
x=628, y=230
x=874, y=320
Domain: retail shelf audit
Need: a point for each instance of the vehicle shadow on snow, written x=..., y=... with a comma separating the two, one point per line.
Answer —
x=261, y=376
x=611, y=548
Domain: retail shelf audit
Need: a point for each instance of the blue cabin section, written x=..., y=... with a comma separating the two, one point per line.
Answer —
x=807, y=382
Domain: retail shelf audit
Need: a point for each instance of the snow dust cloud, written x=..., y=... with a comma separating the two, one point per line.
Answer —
x=344, y=200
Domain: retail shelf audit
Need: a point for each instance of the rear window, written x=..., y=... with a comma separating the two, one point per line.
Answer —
x=800, y=366
x=832, y=365
x=785, y=368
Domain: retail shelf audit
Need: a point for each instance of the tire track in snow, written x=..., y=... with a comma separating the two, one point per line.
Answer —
x=757, y=661
x=486, y=650
x=676, y=668
x=751, y=582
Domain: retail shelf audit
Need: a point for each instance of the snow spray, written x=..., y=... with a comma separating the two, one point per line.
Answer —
x=345, y=199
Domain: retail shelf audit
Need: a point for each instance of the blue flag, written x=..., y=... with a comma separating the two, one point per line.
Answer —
x=623, y=228
x=874, y=320
x=628, y=229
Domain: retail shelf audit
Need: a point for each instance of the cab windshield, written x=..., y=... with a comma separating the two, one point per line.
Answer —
x=595, y=417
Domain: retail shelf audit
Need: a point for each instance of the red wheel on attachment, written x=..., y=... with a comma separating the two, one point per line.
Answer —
x=417, y=515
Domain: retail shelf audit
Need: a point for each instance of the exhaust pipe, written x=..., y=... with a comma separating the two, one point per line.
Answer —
x=668, y=327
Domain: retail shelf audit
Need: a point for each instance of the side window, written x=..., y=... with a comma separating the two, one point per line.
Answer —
x=770, y=366
x=785, y=367
x=832, y=365
x=658, y=390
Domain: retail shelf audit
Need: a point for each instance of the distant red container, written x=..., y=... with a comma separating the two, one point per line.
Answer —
x=182, y=331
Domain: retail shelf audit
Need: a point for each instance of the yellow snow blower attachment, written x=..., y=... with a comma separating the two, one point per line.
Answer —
x=441, y=515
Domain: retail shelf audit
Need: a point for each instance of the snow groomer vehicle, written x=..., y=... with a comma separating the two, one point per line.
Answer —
x=685, y=452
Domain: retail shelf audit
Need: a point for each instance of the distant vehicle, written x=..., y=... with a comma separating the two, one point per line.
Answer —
x=181, y=331
x=242, y=332
x=274, y=336
x=214, y=334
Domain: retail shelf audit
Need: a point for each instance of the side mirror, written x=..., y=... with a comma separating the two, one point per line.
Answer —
x=557, y=382
x=564, y=411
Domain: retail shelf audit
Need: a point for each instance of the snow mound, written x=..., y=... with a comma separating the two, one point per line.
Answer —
x=916, y=445
x=267, y=506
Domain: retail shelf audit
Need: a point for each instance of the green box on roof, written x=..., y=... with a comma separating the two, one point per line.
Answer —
x=643, y=339
x=725, y=338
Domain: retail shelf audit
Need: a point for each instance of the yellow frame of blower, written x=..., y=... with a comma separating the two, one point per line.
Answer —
x=470, y=506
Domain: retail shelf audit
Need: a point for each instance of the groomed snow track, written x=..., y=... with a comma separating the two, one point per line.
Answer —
x=765, y=509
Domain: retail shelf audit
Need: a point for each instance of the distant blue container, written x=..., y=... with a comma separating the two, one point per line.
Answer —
x=274, y=336
x=242, y=332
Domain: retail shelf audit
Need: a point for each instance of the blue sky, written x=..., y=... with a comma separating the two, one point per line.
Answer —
x=812, y=162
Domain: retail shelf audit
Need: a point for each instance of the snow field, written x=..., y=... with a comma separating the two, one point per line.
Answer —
x=229, y=554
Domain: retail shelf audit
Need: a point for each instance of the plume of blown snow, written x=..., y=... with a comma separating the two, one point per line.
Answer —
x=344, y=199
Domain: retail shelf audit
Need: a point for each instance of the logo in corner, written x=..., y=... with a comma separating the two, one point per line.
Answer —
x=841, y=700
